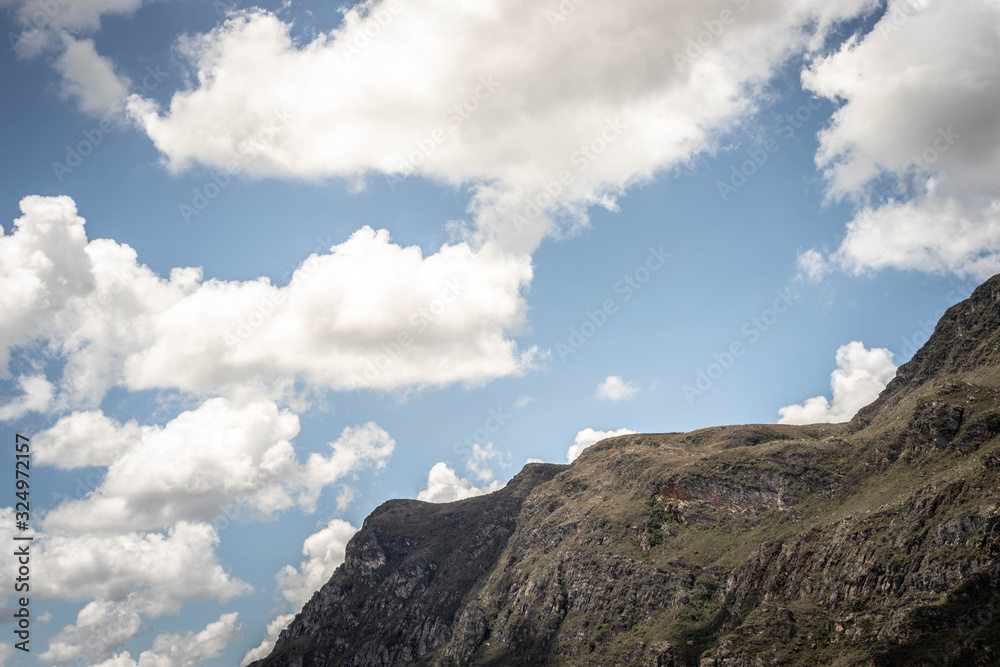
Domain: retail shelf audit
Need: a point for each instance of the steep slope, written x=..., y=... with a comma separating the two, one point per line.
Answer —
x=875, y=542
x=406, y=574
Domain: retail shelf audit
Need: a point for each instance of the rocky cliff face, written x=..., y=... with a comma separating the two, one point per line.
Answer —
x=875, y=542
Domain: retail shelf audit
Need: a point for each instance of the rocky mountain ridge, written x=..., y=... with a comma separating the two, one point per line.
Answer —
x=874, y=542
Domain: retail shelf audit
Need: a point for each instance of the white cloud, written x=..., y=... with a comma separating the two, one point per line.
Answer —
x=188, y=650
x=932, y=234
x=172, y=477
x=453, y=108
x=324, y=551
x=170, y=568
x=367, y=314
x=199, y=463
x=588, y=437
x=36, y=397
x=860, y=376
x=615, y=389
x=445, y=486
x=274, y=629
x=534, y=460
x=101, y=626
x=42, y=23
x=365, y=445
x=90, y=79
x=812, y=266
x=6, y=650
x=86, y=439
x=916, y=140
x=128, y=577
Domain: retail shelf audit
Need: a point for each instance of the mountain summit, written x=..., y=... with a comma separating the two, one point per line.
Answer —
x=874, y=542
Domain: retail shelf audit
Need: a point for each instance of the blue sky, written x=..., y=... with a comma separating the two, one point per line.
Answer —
x=338, y=254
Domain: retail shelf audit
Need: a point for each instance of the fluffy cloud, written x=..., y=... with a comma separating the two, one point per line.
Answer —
x=324, y=551
x=860, y=376
x=917, y=139
x=36, y=397
x=44, y=23
x=812, y=266
x=171, y=568
x=87, y=439
x=90, y=79
x=128, y=577
x=445, y=486
x=367, y=314
x=6, y=650
x=274, y=629
x=106, y=548
x=52, y=26
x=588, y=437
x=198, y=464
x=188, y=650
x=614, y=389
x=635, y=94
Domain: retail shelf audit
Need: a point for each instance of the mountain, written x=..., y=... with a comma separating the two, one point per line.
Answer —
x=875, y=542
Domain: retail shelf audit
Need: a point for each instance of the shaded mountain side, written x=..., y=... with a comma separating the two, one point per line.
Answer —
x=406, y=575
x=875, y=542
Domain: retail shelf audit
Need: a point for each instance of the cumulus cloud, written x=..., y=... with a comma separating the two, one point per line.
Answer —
x=108, y=546
x=36, y=397
x=633, y=97
x=445, y=486
x=39, y=20
x=588, y=437
x=860, y=376
x=198, y=464
x=324, y=551
x=367, y=314
x=188, y=650
x=87, y=438
x=90, y=79
x=128, y=577
x=916, y=140
x=274, y=629
x=614, y=389
x=54, y=27
x=812, y=266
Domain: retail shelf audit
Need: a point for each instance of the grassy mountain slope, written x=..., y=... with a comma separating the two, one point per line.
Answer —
x=874, y=542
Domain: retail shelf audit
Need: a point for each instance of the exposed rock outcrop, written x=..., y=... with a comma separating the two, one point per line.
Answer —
x=875, y=542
